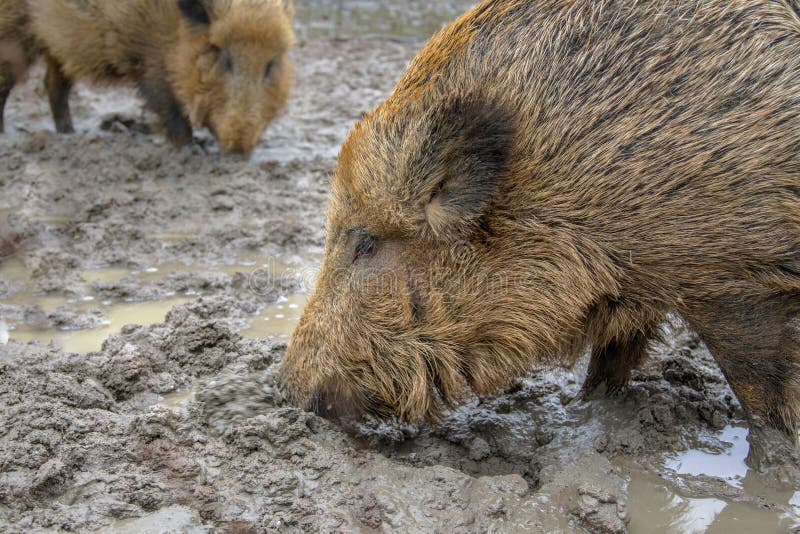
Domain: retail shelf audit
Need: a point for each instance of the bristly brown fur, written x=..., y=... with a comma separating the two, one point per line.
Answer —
x=608, y=162
x=220, y=64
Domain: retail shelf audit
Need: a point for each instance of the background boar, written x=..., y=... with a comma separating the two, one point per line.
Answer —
x=18, y=48
x=221, y=64
x=557, y=174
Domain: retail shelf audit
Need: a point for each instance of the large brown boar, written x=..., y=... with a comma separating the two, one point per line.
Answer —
x=220, y=64
x=556, y=174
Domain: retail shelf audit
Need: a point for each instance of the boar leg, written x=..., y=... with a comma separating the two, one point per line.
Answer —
x=160, y=99
x=6, y=84
x=611, y=364
x=58, y=88
x=756, y=341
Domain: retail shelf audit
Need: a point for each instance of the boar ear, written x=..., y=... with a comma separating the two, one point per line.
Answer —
x=195, y=11
x=470, y=144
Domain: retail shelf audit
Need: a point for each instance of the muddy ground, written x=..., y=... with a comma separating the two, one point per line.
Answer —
x=168, y=283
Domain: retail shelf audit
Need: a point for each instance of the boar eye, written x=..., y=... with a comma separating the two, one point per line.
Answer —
x=268, y=70
x=226, y=61
x=365, y=248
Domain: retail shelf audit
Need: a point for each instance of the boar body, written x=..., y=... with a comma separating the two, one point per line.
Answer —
x=216, y=63
x=554, y=175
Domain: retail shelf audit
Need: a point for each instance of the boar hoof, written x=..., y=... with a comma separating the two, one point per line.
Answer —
x=595, y=391
x=179, y=131
x=64, y=126
x=773, y=454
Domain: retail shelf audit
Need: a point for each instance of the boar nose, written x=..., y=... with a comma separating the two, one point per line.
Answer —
x=336, y=407
x=236, y=136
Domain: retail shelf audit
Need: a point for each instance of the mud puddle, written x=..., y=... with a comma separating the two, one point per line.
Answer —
x=181, y=399
x=172, y=519
x=278, y=320
x=703, y=490
x=658, y=509
x=728, y=465
x=90, y=340
x=115, y=311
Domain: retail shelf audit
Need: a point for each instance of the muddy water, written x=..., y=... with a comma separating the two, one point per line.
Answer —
x=172, y=519
x=179, y=400
x=657, y=509
x=666, y=501
x=278, y=320
x=90, y=340
x=275, y=320
x=115, y=315
x=728, y=465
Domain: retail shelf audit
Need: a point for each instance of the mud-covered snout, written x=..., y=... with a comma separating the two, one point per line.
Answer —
x=248, y=107
x=236, y=136
x=321, y=373
x=361, y=346
x=325, y=396
x=337, y=406
x=249, y=103
x=240, y=145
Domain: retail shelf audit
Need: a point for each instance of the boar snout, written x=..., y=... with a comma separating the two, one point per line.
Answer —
x=240, y=142
x=325, y=396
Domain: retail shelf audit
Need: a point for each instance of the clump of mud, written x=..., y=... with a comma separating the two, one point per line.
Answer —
x=163, y=271
x=90, y=442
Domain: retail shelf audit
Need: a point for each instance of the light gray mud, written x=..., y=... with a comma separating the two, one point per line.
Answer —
x=174, y=422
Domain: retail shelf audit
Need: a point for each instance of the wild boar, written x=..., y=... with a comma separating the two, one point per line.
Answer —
x=18, y=48
x=554, y=175
x=220, y=64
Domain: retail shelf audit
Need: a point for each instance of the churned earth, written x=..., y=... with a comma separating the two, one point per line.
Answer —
x=146, y=295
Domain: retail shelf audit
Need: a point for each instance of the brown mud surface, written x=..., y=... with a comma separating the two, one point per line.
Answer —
x=146, y=295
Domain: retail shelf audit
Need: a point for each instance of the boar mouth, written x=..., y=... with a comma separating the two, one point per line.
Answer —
x=347, y=408
x=337, y=407
x=344, y=409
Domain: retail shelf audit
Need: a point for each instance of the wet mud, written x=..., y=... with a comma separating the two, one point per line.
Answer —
x=146, y=295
